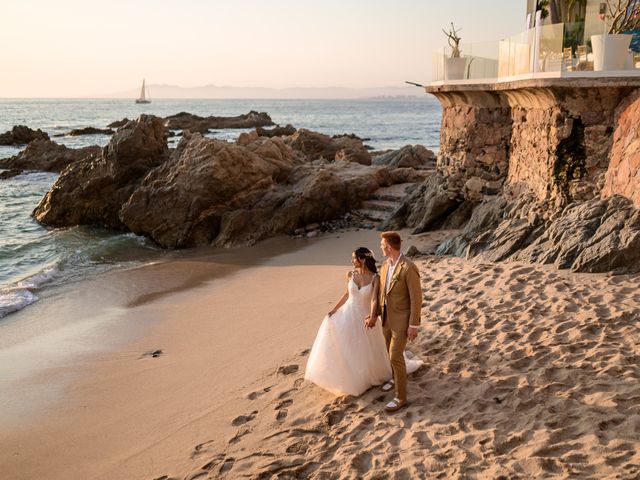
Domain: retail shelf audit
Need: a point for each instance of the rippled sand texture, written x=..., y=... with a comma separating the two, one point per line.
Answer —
x=531, y=373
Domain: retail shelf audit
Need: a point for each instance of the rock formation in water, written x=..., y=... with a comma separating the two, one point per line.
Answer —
x=93, y=192
x=212, y=192
x=195, y=123
x=21, y=135
x=48, y=156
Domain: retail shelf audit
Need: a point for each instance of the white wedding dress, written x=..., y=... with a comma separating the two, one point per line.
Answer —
x=347, y=358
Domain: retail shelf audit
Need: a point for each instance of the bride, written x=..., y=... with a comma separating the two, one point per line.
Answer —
x=348, y=358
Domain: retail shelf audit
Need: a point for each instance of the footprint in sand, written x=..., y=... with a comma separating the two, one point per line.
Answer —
x=239, y=434
x=256, y=394
x=242, y=419
x=227, y=465
x=288, y=369
x=281, y=408
x=201, y=448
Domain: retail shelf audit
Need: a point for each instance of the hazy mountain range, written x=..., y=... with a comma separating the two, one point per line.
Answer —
x=213, y=91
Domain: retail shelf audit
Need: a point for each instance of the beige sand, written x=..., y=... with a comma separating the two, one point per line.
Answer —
x=530, y=373
x=127, y=415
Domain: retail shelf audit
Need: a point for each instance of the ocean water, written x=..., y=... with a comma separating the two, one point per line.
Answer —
x=33, y=257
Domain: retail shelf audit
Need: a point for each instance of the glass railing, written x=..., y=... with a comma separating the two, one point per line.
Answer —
x=548, y=49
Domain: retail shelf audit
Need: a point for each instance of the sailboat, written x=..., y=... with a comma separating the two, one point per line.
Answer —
x=143, y=98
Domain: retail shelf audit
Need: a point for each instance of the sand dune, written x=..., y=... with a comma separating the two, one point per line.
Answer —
x=531, y=373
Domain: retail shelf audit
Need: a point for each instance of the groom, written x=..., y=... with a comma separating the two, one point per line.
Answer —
x=400, y=304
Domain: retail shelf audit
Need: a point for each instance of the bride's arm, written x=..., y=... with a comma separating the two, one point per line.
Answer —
x=370, y=321
x=344, y=298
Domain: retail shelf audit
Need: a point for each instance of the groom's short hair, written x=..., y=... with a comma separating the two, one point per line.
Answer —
x=393, y=239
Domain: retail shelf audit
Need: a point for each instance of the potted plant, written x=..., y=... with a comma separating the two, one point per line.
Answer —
x=611, y=49
x=454, y=66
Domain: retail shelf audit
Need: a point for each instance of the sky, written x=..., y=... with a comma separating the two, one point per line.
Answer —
x=86, y=48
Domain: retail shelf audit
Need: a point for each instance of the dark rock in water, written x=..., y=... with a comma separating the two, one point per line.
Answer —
x=119, y=123
x=276, y=131
x=414, y=156
x=9, y=174
x=48, y=156
x=194, y=123
x=21, y=135
x=90, y=131
x=93, y=192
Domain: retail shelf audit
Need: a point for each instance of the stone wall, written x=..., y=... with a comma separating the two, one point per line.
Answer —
x=623, y=174
x=549, y=137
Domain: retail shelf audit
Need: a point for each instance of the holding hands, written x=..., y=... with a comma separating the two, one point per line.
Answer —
x=370, y=321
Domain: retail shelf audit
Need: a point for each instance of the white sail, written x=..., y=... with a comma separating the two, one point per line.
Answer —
x=143, y=94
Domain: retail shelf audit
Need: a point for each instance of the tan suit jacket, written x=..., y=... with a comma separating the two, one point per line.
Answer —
x=402, y=305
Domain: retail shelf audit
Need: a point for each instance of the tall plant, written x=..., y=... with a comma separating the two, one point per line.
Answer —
x=624, y=15
x=454, y=40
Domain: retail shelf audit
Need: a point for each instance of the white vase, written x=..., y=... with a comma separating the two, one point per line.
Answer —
x=455, y=68
x=610, y=51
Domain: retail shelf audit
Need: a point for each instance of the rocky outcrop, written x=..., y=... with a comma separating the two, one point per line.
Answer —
x=427, y=208
x=21, y=135
x=119, y=123
x=93, y=192
x=340, y=147
x=90, y=131
x=7, y=174
x=195, y=123
x=409, y=156
x=228, y=195
x=623, y=173
x=276, y=131
x=593, y=236
x=208, y=192
x=48, y=156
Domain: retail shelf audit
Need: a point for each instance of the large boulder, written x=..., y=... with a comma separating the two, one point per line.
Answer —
x=592, y=236
x=195, y=123
x=412, y=156
x=48, y=156
x=427, y=208
x=207, y=192
x=21, y=135
x=93, y=192
x=214, y=192
x=316, y=145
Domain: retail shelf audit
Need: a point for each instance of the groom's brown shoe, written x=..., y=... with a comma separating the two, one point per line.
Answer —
x=395, y=405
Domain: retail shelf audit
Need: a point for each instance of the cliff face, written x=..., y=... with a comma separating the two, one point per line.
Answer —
x=536, y=171
x=552, y=139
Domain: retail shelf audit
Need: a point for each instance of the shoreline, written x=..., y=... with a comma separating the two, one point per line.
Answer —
x=246, y=320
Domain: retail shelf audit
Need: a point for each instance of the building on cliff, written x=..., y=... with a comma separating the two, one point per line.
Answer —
x=561, y=38
x=533, y=126
x=536, y=118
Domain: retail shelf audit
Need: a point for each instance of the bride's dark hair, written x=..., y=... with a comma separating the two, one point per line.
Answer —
x=364, y=254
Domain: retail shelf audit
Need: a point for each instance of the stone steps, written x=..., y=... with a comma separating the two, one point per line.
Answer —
x=383, y=203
